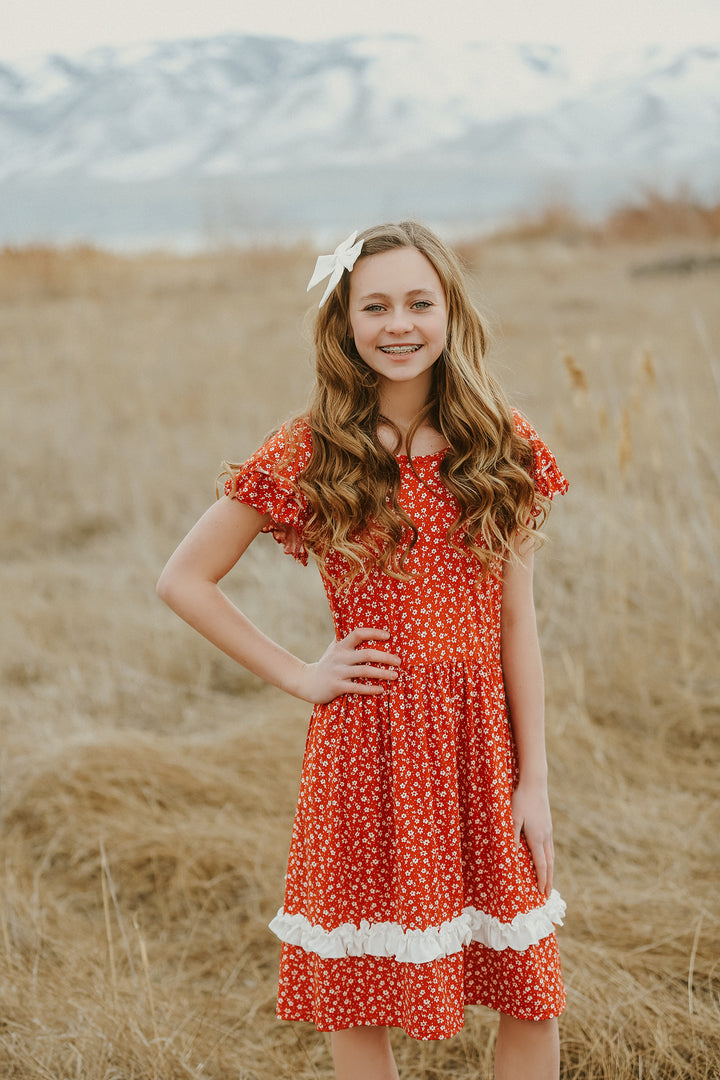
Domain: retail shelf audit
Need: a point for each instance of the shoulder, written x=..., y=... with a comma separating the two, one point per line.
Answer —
x=545, y=472
x=286, y=452
x=523, y=427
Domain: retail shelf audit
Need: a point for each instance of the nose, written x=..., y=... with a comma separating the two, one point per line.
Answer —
x=398, y=321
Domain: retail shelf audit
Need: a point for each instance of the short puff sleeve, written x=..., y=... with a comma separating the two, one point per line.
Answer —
x=267, y=482
x=546, y=473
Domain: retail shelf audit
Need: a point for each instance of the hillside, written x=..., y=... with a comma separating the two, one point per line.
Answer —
x=242, y=138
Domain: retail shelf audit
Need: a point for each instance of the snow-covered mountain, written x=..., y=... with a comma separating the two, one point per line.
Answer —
x=232, y=137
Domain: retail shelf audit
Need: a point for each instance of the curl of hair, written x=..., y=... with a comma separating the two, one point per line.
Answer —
x=352, y=480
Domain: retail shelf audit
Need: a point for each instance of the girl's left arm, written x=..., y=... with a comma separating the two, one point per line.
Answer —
x=525, y=692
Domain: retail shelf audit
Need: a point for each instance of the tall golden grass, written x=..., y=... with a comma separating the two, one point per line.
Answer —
x=148, y=784
x=651, y=217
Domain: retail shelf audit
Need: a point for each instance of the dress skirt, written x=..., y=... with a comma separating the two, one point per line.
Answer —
x=406, y=896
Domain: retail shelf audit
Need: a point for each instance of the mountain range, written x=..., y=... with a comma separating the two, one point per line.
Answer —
x=236, y=138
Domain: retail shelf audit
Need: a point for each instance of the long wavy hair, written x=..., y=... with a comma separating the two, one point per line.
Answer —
x=351, y=482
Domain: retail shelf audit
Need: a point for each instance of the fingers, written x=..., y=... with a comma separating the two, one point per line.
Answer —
x=347, y=668
x=538, y=857
x=374, y=656
x=362, y=688
x=363, y=663
x=549, y=861
x=366, y=633
x=368, y=671
x=543, y=858
x=541, y=851
x=517, y=829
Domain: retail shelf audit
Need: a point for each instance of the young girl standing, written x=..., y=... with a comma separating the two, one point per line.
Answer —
x=421, y=861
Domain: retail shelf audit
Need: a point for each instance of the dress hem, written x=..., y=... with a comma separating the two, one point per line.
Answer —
x=307, y=1016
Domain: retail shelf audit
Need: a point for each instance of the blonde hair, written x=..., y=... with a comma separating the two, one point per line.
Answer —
x=351, y=482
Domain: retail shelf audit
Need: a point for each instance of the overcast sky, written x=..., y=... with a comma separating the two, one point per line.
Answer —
x=588, y=26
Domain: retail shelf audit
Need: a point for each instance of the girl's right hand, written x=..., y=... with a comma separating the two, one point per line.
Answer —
x=343, y=663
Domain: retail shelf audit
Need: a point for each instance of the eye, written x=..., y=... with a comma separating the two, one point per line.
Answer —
x=373, y=307
x=422, y=304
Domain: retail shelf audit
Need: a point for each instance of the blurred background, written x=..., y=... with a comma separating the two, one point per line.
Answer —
x=133, y=127
x=168, y=175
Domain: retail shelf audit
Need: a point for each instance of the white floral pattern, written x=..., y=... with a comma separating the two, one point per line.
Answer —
x=406, y=897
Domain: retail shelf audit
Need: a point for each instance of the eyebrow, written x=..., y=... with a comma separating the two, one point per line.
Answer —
x=411, y=293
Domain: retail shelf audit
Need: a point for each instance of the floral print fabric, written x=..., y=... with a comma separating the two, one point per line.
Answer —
x=405, y=897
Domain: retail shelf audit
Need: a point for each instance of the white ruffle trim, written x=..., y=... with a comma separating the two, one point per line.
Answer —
x=421, y=946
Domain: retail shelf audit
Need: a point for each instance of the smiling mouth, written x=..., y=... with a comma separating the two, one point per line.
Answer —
x=399, y=350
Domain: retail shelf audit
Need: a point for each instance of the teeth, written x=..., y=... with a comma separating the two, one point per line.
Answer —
x=399, y=350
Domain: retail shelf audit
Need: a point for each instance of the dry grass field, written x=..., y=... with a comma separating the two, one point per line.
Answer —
x=148, y=785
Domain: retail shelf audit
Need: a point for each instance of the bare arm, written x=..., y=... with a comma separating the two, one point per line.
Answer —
x=525, y=692
x=189, y=585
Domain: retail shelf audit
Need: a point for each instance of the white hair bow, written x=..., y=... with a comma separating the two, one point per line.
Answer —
x=342, y=258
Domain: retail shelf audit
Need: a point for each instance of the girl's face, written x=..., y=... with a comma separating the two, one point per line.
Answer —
x=398, y=313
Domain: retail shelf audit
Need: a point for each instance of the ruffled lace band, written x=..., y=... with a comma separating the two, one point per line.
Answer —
x=421, y=946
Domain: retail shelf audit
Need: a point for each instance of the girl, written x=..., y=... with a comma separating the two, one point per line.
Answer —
x=421, y=862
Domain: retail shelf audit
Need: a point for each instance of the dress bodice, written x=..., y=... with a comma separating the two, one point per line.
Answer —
x=442, y=612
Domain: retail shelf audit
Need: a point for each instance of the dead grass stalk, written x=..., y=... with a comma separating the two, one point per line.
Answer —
x=147, y=785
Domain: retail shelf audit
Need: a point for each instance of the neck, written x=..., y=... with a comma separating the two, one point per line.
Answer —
x=401, y=402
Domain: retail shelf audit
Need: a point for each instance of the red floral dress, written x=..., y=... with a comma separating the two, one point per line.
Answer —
x=406, y=898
